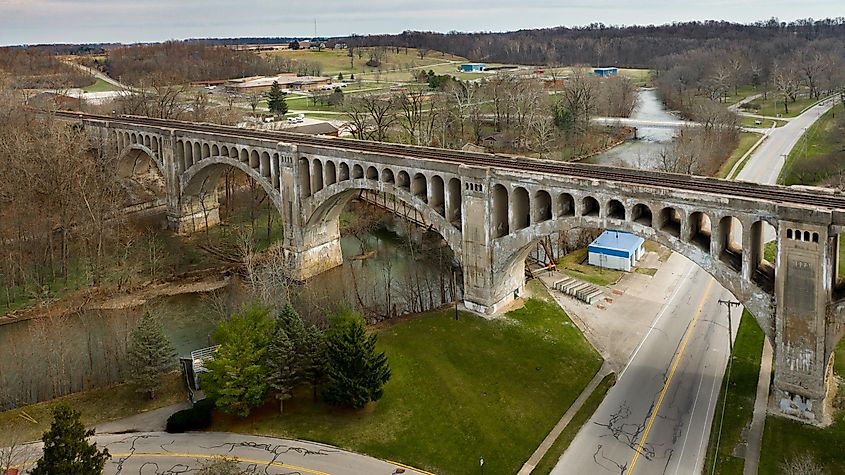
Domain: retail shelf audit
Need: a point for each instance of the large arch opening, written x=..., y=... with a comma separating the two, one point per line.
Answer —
x=398, y=255
x=144, y=187
x=501, y=225
x=237, y=195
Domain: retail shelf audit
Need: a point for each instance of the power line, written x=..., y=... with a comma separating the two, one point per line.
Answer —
x=730, y=304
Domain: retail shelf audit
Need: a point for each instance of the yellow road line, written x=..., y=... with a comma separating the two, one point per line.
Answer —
x=409, y=467
x=221, y=457
x=669, y=378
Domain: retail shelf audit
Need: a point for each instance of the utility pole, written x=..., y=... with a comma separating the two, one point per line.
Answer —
x=730, y=304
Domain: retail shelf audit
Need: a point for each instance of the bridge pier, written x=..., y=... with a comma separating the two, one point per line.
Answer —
x=803, y=288
x=192, y=214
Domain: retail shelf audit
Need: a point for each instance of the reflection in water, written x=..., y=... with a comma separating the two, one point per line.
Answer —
x=382, y=275
x=394, y=270
x=642, y=153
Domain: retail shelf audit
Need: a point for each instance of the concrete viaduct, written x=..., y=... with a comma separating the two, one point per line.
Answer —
x=492, y=209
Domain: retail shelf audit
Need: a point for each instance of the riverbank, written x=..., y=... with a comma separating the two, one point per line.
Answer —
x=492, y=387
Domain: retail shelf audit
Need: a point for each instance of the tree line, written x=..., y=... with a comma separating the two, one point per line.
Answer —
x=505, y=112
x=599, y=44
x=38, y=68
x=175, y=62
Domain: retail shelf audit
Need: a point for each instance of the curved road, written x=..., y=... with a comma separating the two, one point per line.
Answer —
x=151, y=453
x=657, y=419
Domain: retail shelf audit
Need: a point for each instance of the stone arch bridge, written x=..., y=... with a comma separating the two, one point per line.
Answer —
x=492, y=209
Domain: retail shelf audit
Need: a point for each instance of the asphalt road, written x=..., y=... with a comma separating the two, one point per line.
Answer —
x=154, y=453
x=657, y=418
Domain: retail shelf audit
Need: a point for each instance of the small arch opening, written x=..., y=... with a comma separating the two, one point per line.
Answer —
x=542, y=206
x=419, y=187
x=700, y=230
x=343, y=173
x=590, y=207
x=372, y=173
x=566, y=205
x=616, y=210
x=404, y=181
x=501, y=227
x=521, y=208
x=669, y=221
x=357, y=171
x=641, y=214
x=387, y=176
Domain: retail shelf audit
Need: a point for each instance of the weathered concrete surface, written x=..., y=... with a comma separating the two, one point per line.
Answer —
x=492, y=217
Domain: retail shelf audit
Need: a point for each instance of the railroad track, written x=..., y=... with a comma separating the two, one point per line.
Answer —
x=754, y=191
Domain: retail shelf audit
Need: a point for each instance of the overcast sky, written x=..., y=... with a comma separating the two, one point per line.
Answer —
x=90, y=21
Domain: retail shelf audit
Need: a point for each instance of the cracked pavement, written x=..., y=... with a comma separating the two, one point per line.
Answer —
x=160, y=453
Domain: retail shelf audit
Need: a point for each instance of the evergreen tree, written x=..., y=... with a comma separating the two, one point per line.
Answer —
x=66, y=450
x=340, y=76
x=237, y=377
x=150, y=355
x=355, y=371
x=315, y=358
x=291, y=323
x=352, y=77
x=282, y=366
x=276, y=100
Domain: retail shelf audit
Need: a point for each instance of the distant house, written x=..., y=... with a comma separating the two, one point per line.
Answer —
x=616, y=250
x=605, y=72
x=472, y=67
x=255, y=84
x=319, y=128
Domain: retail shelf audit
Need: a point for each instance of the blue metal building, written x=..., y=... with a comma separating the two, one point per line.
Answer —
x=616, y=250
x=604, y=72
x=472, y=67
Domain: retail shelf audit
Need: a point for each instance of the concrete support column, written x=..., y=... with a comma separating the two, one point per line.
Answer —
x=310, y=248
x=195, y=213
x=488, y=286
x=752, y=251
x=803, y=292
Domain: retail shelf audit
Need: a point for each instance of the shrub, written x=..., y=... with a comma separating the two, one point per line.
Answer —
x=197, y=417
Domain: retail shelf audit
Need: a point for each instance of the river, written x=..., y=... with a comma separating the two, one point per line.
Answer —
x=382, y=275
x=642, y=153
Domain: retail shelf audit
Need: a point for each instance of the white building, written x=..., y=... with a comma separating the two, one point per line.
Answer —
x=616, y=250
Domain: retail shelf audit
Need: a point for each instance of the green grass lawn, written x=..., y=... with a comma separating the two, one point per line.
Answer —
x=746, y=141
x=547, y=463
x=741, y=93
x=100, y=86
x=334, y=61
x=739, y=410
x=459, y=390
x=764, y=123
x=773, y=105
x=785, y=439
x=575, y=265
x=96, y=406
x=820, y=154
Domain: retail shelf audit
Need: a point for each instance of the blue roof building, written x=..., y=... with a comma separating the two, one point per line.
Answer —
x=472, y=67
x=616, y=250
x=604, y=72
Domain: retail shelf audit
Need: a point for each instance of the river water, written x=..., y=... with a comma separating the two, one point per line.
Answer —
x=642, y=153
x=391, y=270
